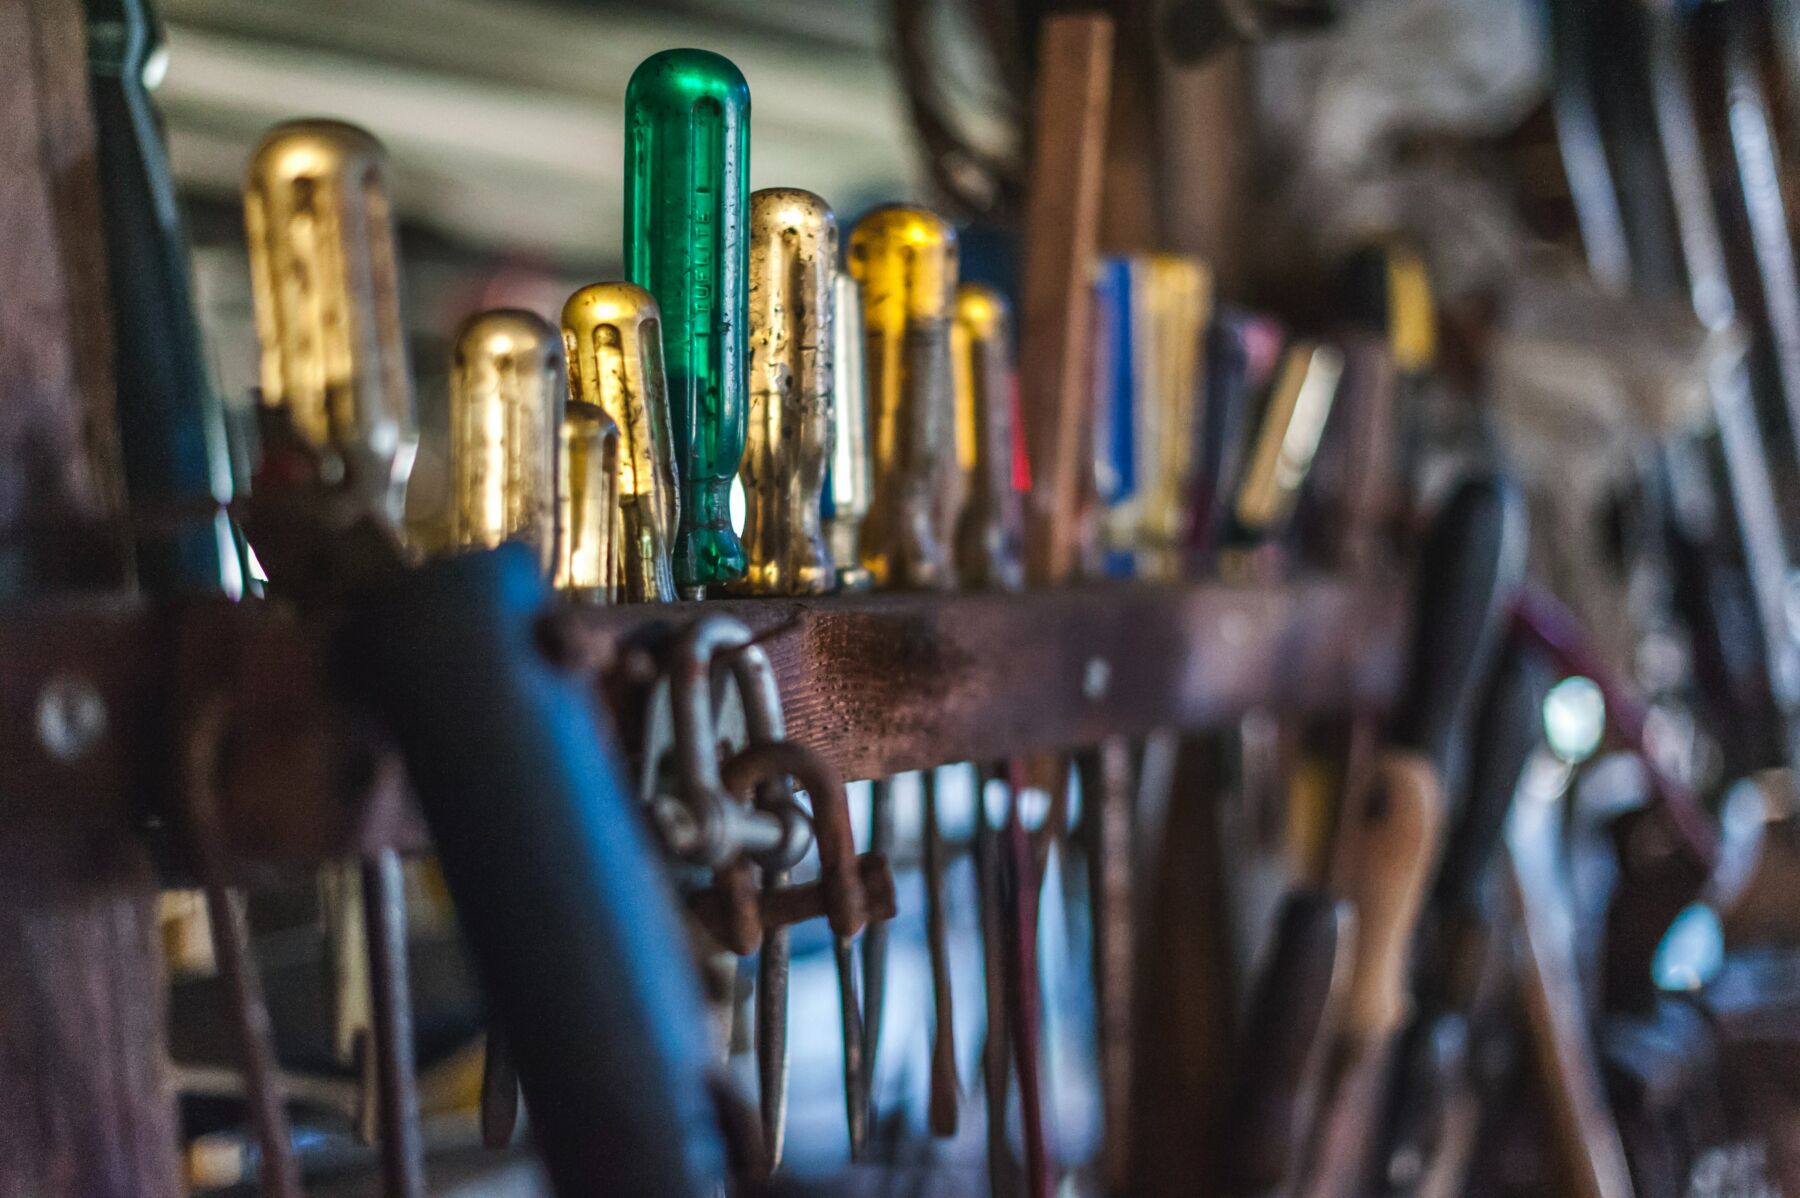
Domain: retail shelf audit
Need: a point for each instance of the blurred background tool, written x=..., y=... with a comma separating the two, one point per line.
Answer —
x=904, y=261
x=337, y=410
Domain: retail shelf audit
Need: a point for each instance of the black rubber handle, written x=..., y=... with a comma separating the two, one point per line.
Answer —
x=1470, y=568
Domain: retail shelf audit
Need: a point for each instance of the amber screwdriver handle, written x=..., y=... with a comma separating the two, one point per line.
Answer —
x=793, y=248
x=612, y=333
x=905, y=261
x=1396, y=844
x=507, y=389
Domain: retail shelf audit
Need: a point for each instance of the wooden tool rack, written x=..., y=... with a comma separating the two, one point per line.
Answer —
x=100, y=691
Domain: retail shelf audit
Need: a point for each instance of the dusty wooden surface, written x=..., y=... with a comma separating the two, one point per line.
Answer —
x=886, y=683
x=85, y=1106
x=878, y=683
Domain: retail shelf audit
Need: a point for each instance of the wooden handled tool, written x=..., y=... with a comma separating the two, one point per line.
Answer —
x=1070, y=109
x=1291, y=1016
x=1396, y=836
x=1387, y=846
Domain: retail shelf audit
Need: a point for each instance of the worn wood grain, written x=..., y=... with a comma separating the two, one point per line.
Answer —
x=886, y=683
x=85, y=1103
x=877, y=683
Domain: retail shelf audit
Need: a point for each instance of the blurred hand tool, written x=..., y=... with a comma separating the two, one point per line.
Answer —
x=793, y=252
x=1282, y=1045
x=178, y=471
x=590, y=559
x=904, y=261
x=1472, y=561
x=1387, y=291
x=1737, y=124
x=1224, y=414
x=508, y=386
x=612, y=333
x=990, y=532
x=1152, y=313
x=1061, y=230
x=793, y=249
x=1056, y=304
x=1119, y=361
x=1458, y=935
x=567, y=915
x=989, y=557
x=1668, y=849
x=1280, y=456
x=687, y=161
x=1589, y=1145
x=337, y=409
x=172, y=429
x=1652, y=223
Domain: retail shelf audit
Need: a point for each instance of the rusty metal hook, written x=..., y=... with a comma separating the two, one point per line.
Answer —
x=844, y=882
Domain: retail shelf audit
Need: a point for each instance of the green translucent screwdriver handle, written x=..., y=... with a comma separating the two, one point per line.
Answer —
x=687, y=157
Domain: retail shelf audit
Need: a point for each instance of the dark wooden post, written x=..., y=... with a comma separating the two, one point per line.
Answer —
x=85, y=1103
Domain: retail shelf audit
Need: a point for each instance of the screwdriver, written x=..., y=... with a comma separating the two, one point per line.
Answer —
x=793, y=338
x=507, y=388
x=325, y=282
x=793, y=252
x=990, y=557
x=904, y=261
x=612, y=334
x=687, y=160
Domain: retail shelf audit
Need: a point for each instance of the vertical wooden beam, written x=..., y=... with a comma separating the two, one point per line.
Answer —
x=1205, y=130
x=1062, y=220
x=85, y=1103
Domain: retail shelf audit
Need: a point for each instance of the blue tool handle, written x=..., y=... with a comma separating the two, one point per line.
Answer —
x=172, y=432
x=569, y=918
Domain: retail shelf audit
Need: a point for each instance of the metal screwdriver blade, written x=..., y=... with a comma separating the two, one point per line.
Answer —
x=588, y=519
x=325, y=278
x=989, y=535
x=687, y=156
x=905, y=261
x=507, y=388
x=613, y=336
x=848, y=485
x=793, y=252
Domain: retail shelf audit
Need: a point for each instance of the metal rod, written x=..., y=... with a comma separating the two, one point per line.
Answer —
x=280, y=1175
x=944, y=1084
x=402, y=1142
